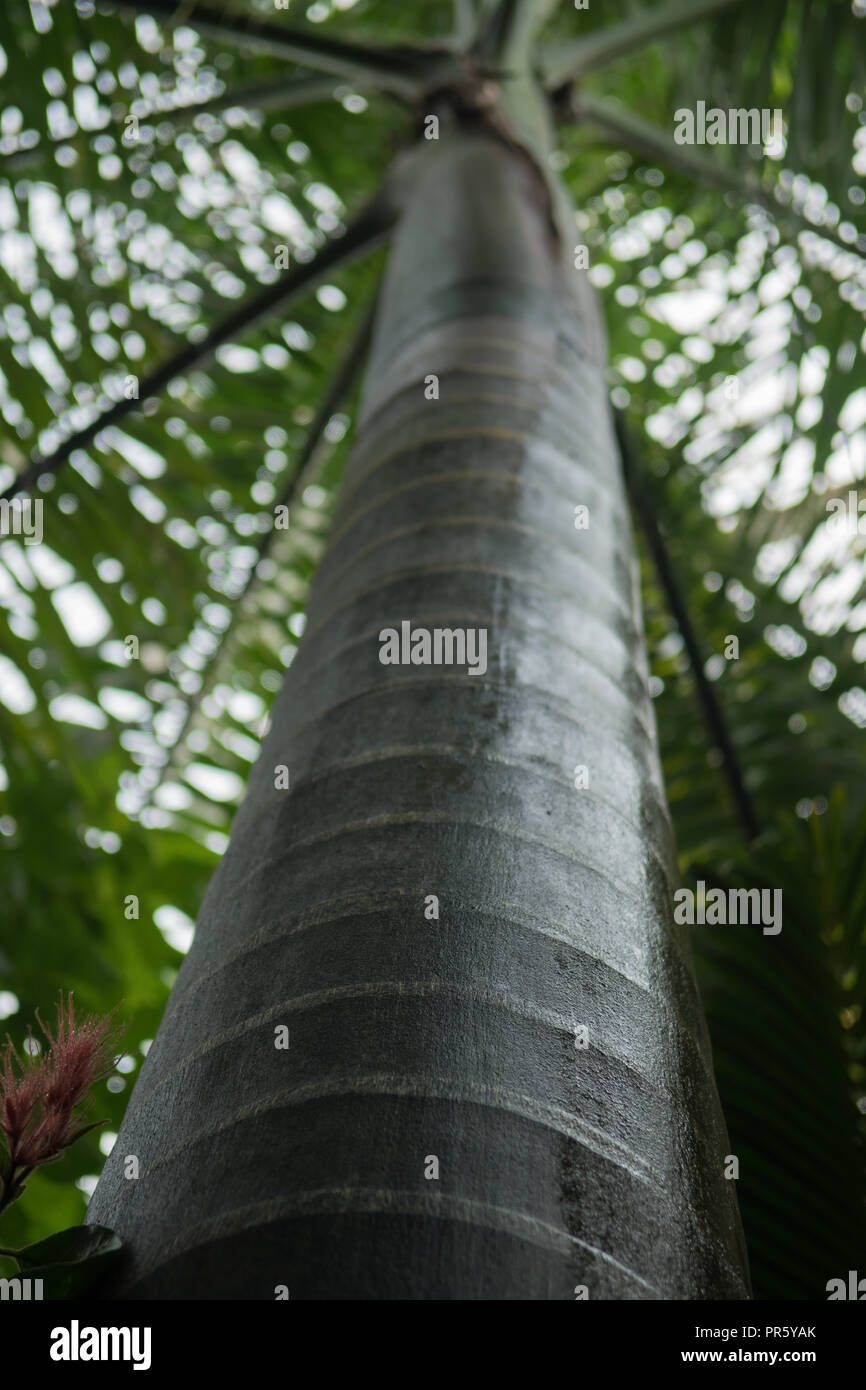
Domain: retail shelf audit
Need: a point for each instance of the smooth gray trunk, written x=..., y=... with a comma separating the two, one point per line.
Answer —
x=412, y=1038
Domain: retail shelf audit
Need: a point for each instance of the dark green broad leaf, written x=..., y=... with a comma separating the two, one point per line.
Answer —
x=71, y=1261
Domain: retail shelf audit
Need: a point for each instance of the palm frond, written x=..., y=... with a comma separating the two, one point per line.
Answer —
x=614, y=41
x=364, y=234
x=398, y=71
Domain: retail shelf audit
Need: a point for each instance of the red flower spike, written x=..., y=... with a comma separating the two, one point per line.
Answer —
x=80, y=1054
x=20, y=1094
x=38, y=1098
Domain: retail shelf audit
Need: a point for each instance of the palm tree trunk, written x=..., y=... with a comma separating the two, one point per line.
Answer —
x=434, y=1128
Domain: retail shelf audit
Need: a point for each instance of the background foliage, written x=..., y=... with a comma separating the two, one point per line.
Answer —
x=734, y=295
